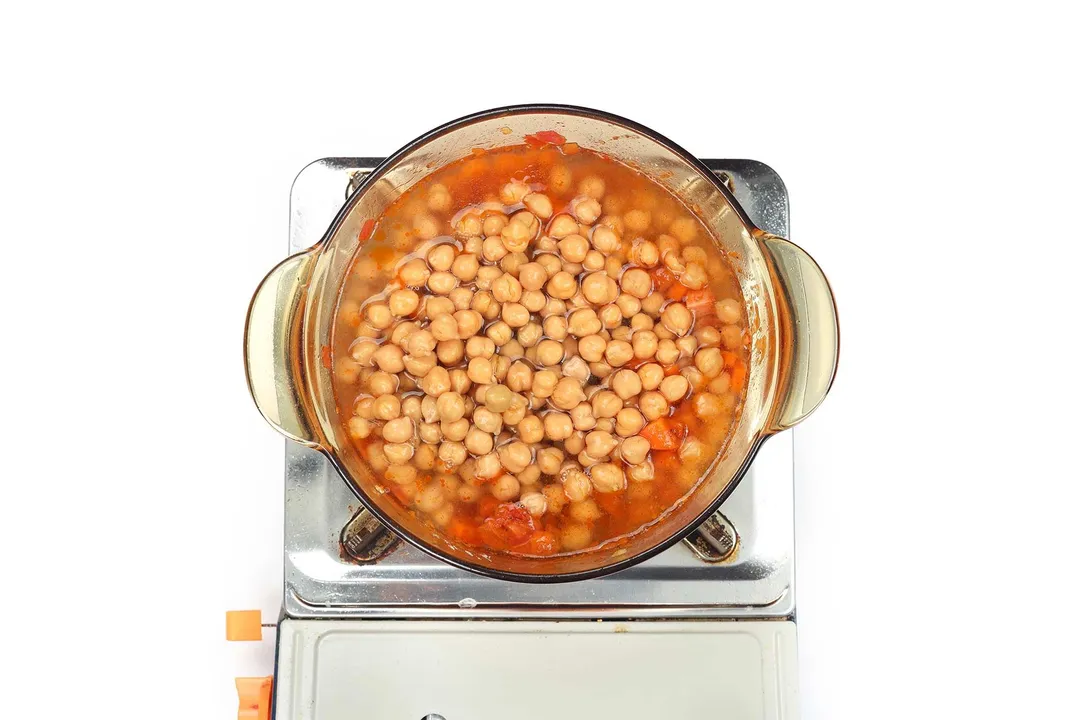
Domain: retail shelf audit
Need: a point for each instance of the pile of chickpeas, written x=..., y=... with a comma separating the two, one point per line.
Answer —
x=524, y=350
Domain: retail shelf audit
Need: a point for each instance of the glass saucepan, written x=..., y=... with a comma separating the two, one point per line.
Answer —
x=790, y=310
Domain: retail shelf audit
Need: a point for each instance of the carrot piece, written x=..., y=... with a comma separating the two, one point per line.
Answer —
x=367, y=229
x=730, y=358
x=664, y=434
x=677, y=291
x=738, y=375
x=571, y=148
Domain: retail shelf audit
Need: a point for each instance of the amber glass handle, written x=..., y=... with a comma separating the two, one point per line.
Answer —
x=812, y=330
x=271, y=352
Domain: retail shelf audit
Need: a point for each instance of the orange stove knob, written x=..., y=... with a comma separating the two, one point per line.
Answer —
x=243, y=625
x=254, y=694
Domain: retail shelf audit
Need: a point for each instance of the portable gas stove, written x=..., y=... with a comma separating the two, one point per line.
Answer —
x=371, y=627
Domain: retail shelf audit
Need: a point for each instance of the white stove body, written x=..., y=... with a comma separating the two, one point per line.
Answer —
x=410, y=637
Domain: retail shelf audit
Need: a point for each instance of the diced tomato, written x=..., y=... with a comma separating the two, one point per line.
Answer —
x=677, y=291
x=701, y=302
x=544, y=137
x=664, y=434
x=542, y=542
x=730, y=358
x=367, y=229
x=486, y=507
x=324, y=355
x=510, y=526
x=663, y=279
x=463, y=530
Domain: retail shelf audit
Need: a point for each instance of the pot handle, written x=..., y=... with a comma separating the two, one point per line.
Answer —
x=813, y=332
x=271, y=348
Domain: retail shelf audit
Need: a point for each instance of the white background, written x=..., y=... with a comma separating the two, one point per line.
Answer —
x=930, y=155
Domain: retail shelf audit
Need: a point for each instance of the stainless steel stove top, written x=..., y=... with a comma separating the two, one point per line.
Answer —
x=740, y=565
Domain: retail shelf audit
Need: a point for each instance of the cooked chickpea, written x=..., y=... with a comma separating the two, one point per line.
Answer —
x=425, y=226
x=494, y=223
x=359, y=428
x=506, y=488
x=600, y=444
x=567, y=394
x=479, y=442
x=582, y=417
x=637, y=283
x=520, y=231
x=692, y=450
x=414, y=273
x=645, y=253
x=436, y=382
x=435, y=306
x=694, y=276
x=674, y=388
x=626, y=384
x=676, y=318
x=555, y=327
x=481, y=371
x=538, y=204
x=493, y=248
x=605, y=240
x=629, y=422
x=444, y=327
x=506, y=288
x=379, y=315
x=487, y=421
x=598, y=288
x=514, y=314
x=488, y=466
x=583, y=322
x=585, y=209
x=607, y=477
x=398, y=453
x=653, y=405
x=707, y=406
x=479, y=346
x=382, y=383
x=515, y=456
x=441, y=257
x=469, y=225
x=576, y=484
x=531, y=276
x=452, y=453
x=398, y=430
x=441, y=283
x=729, y=311
x=709, y=361
x=451, y=406
x=486, y=275
x=519, y=377
x=498, y=398
x=513, y=192
x=558, y=426
x=531, y=429
x=549, y=262
x=652, y=304
x=363, y=352
x=574, y=248
x=562, y=285
x=500, y=333
x=720, y=384
x=634, y=450
x=549, y=460
x=465, y=267
x=549, y=352
x=606, y=404
x=618, y=353
x=730, y=336
x=610, y=316
x=629, y=305
x=450, y=352
x=562, y=226
x=641, y=473
x=543, y=384
x=591, y=347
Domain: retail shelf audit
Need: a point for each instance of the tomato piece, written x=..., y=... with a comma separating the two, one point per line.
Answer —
x=730, y=358
x=664, y=434
x=486, y=506
x=542, y=542
x=663, y=279
x=367, y=229
x=463, y=530
x=544, y=137
x=677, y=291
x=701, y=302
x=510, y=526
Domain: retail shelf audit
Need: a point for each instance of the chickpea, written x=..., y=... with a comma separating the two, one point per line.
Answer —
x=468, y=322
x=582, y=417
x=479, y=442
x=498, y=398
x=515, y=456
x=414, y=273
x=513, y=192
x=549, y=460
x=425, y=456
x=600, y=444
x=674, y=388
x=520, y=231
x=506, y=488
x=441, y=257
x=573, y=247
x=444, y=327
x=519, y=377
x=583, y=322
x=473, y=245
x=480, y=371
x=534, y=502
x=450, y=352
x=441, y=283
x=539, y=205
x=562, y=285
x=645, y=253
x=605, y=240
x=549, y=262
x=673, y=263
x=607, y=477
x=493, y=249
x=645, y=345
x=598, y=288
x=425, y=226
x=567, y=394
x=707, y=406
x=634, y=450
x=410, y=408
x=452, y=453
x=420, y=366
x=398, y=453
x=488, y=466
x=592, y=347
x=382, y=383
x=549, y=352
x=585, y=209
x=543, y=383
x=730, y=336
x=363, y=352
x=729, y=311
x=435, y=306
x=576, y=484
x=626, y=384
x=365, y=407
x=667, y=352
x=398, y=430
x=461, y=298
x=610, y=317
x=653, y=405
x=692, y=450
x=469, y=225
x=677, y=318
x=721, y=384
x=694, y=276
x=479, y=346
x=618, y=353
x=642, y=473
x=707, y=335
x=428, y=409
x=637, y=221
x=378, y=315
x=506, y=288
x=606, y=404
x=359, y=428
x=468, y=494
x=709, y=361
x=629, y=422
x=499, y=333
x=562, y=226
x=514, y=314
x=502, y=365
x=555, y=327
x=486, y=275
x=451, y=406
x=465, y=267
x=558, y=426
x=637, y=283
x=494, y=223
x=436, y=382
x=629, y=305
